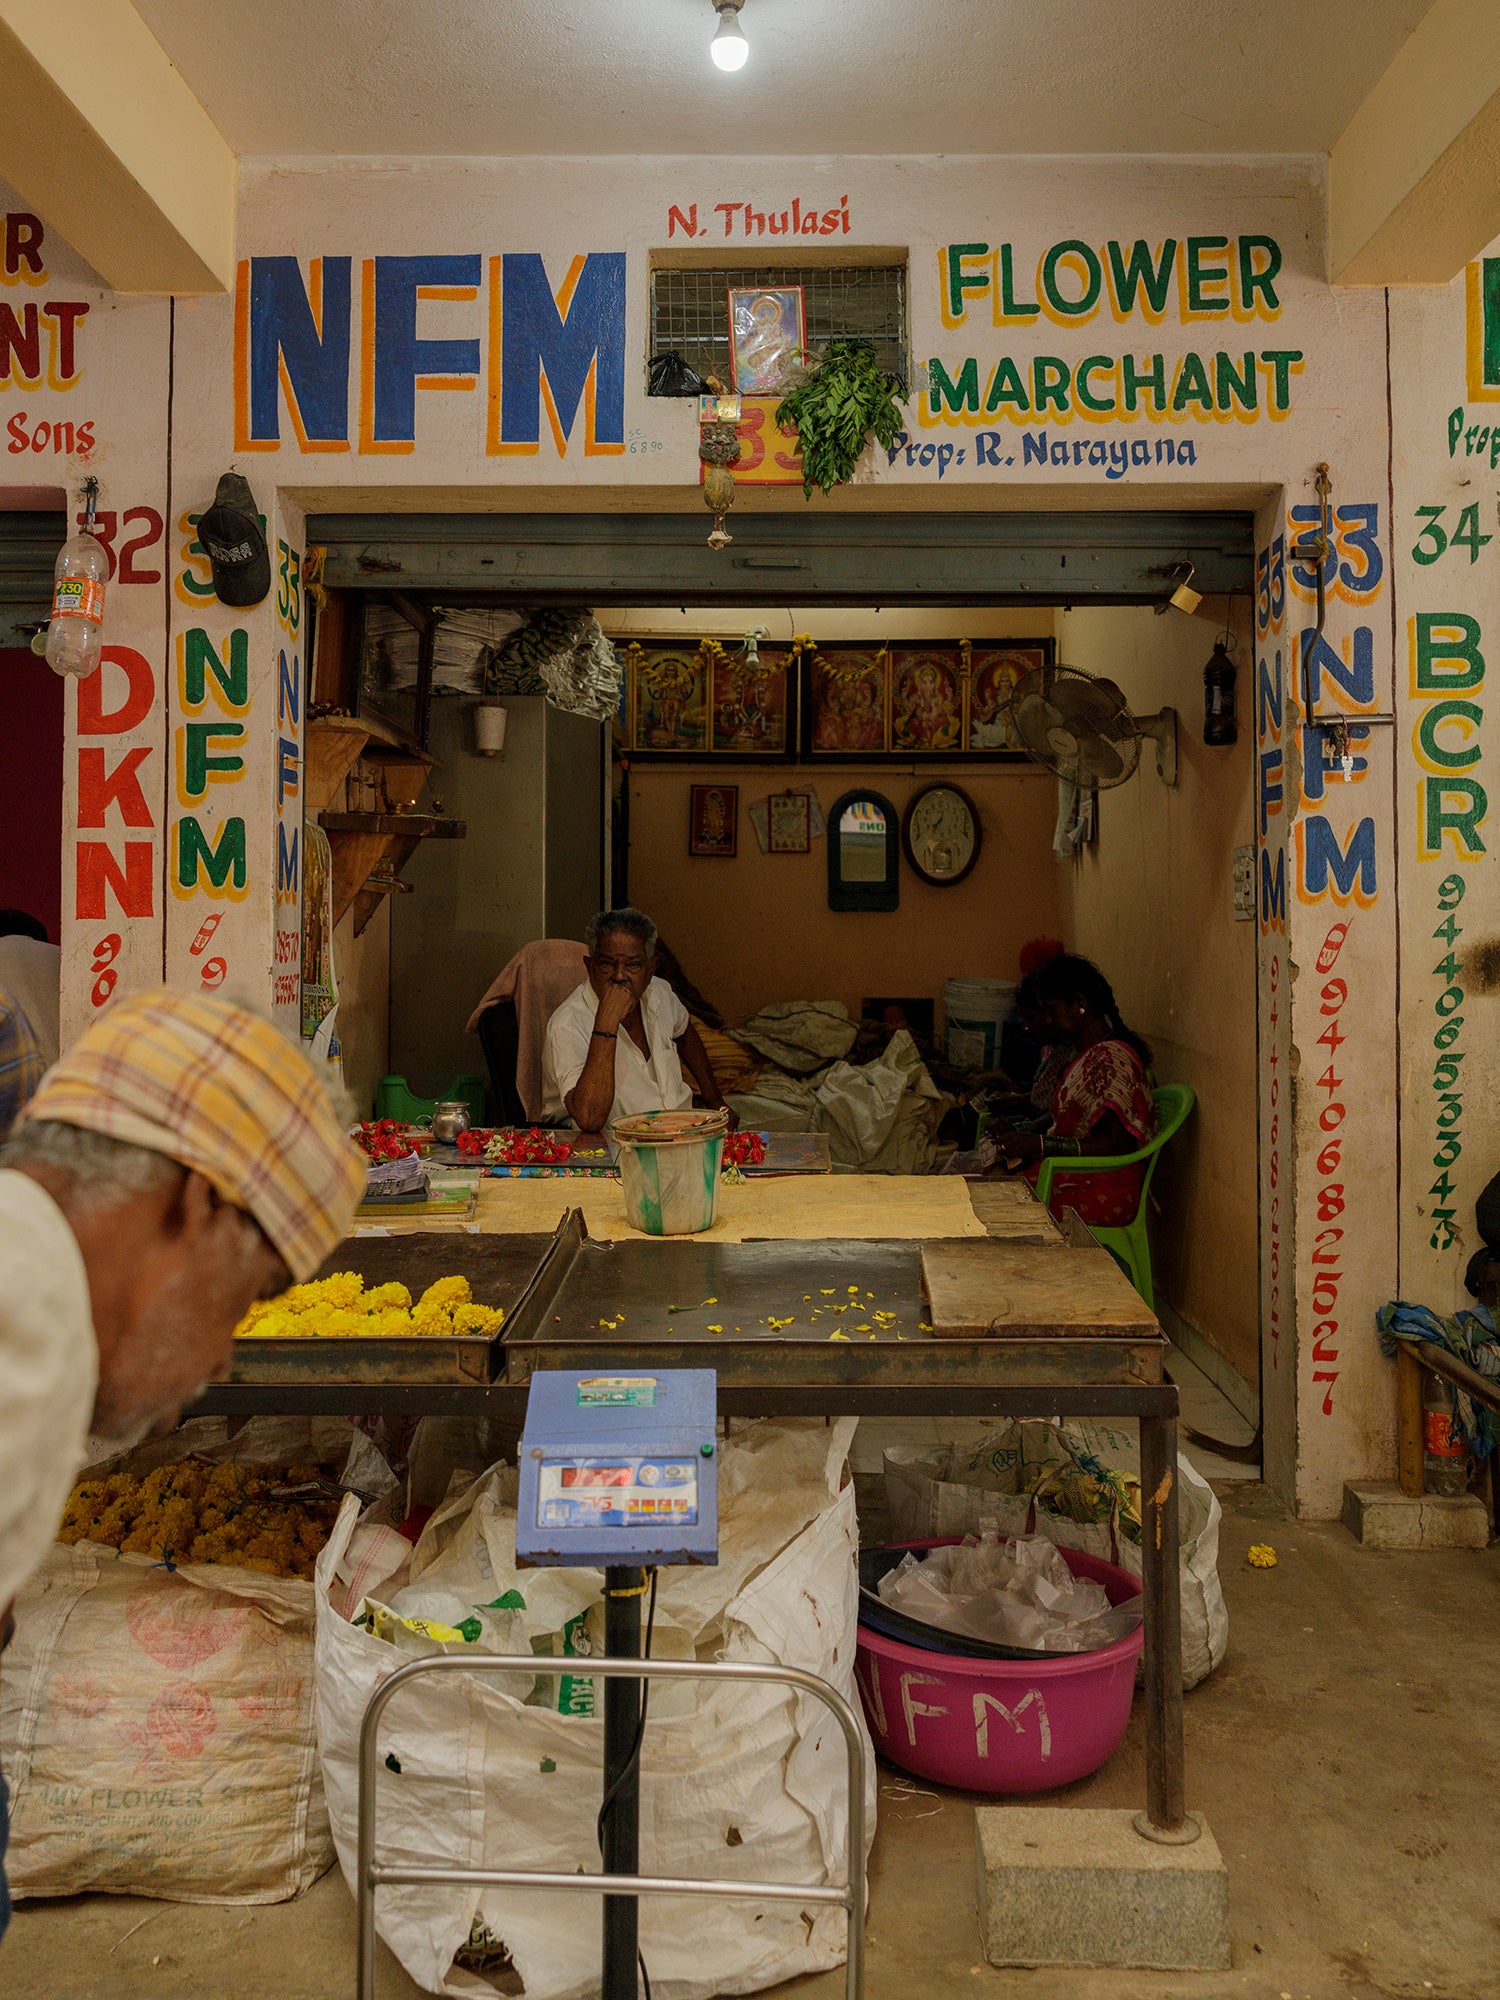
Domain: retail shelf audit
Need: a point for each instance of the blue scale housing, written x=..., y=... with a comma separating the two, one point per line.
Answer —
x=619, y=1471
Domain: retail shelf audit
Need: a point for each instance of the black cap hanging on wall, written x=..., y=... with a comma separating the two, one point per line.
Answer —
x=235, y=543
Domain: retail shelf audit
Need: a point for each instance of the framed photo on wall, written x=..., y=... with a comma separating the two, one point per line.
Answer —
x=788, y=823
x=927, y=699
x=993, y=673
x=668, y=698
x=750, y=705
x=849, y=701
x=714, y=821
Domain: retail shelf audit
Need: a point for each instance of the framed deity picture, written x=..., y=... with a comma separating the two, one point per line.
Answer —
x=788, y=823
x=750, y=704
x=766, y=336
x=941, y=834
x=993, y=674
x=849, y=701
x=927, y=699
x=714, y=821
x=668, y=698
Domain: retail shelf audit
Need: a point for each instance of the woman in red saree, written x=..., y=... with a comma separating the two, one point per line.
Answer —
x=1101, y=1103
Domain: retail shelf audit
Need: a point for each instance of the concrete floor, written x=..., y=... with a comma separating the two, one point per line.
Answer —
x=1347, y=1756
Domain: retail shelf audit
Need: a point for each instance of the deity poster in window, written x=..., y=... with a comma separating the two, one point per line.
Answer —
x=766, y=336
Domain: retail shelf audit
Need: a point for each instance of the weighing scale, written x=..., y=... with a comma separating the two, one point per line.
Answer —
x=619, y=1473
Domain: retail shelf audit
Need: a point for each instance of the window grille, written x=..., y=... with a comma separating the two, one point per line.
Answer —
x=690, y=310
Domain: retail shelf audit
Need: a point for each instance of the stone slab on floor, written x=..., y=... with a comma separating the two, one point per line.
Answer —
x=1063, y=1885
x=1378, y=1514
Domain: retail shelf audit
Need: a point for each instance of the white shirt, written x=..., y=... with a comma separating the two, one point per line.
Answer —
x=49, y=1371
x=657, y=1085
x=31, y=973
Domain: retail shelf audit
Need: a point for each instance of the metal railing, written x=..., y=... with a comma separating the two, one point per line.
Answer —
x=848, y=1895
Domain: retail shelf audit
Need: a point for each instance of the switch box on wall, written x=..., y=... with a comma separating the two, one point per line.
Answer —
x=1244, y=884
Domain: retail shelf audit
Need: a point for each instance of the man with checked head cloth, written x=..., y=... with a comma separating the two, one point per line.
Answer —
x=181, y=1161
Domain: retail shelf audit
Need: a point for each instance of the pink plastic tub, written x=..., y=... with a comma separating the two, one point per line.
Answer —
x=1001, y=1725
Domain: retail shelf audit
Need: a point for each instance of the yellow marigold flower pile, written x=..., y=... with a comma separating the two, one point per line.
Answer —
x=339, y=1308
x=193, y=1512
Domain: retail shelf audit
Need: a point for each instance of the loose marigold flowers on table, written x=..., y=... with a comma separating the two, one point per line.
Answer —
x=339, y=1308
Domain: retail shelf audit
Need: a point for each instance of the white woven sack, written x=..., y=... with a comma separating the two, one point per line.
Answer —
x=749, y=1784
x=156, y=1730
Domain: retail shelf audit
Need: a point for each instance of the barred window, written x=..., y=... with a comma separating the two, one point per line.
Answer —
x=690, y=310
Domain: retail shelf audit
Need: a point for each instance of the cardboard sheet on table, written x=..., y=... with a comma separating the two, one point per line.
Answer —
x=870, y=1206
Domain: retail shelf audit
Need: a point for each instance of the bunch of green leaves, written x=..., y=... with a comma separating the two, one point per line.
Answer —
x=847, y=399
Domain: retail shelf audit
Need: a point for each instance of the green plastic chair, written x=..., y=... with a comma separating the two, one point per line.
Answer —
x=1129, y=1242
x=394, y=1100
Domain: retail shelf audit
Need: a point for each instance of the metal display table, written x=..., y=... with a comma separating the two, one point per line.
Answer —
x=1036, y=1331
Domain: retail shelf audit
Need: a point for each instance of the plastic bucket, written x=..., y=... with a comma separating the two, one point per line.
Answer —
x=973, y=1010
x=1001, y=1725
x=669, y=1169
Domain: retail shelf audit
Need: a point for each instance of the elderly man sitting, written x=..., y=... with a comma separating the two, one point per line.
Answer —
x=181, y=1161
x=617, y=1046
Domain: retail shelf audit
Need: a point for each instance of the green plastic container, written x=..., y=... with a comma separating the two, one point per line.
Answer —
x=394, y=1100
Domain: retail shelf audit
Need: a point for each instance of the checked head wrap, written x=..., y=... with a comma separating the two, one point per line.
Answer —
x=218, y=1089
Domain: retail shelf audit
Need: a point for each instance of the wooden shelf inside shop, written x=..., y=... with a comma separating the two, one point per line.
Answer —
x=379, y=845
x=335, y=744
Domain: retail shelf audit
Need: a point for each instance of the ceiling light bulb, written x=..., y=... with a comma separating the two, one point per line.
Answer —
x=729, y=48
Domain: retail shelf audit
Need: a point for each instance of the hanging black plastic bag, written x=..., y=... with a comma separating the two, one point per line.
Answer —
x=669, y=375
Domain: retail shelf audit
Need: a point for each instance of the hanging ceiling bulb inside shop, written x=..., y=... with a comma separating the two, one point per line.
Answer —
x=729, y=48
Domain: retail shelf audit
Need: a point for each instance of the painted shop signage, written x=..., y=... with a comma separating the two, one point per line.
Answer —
x=343, y=351
x=39, y=342
x=1209, y=281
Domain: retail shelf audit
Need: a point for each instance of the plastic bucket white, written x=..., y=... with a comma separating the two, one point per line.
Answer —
x=669, y=1170
x=973, y=1010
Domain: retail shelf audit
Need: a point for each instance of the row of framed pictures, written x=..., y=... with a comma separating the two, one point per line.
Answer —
x=691, y=698
x=940, y=831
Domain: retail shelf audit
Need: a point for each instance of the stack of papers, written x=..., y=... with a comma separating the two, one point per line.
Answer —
x=397, y=1180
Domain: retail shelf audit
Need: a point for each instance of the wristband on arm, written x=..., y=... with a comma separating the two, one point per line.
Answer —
x=1054, y=1148
x=604, y=1034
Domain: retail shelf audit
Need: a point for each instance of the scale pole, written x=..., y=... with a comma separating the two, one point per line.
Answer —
x=623, y=1589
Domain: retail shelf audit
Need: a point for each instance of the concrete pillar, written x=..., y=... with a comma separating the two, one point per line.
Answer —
x=1327, y=983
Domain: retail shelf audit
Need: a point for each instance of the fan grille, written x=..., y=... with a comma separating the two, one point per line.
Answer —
x=1077, y=725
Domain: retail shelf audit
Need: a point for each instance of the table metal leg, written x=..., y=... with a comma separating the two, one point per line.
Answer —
x=1166, y=1817
x=620, y=1841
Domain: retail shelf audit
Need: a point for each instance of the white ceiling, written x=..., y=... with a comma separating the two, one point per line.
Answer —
x=589, y=77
